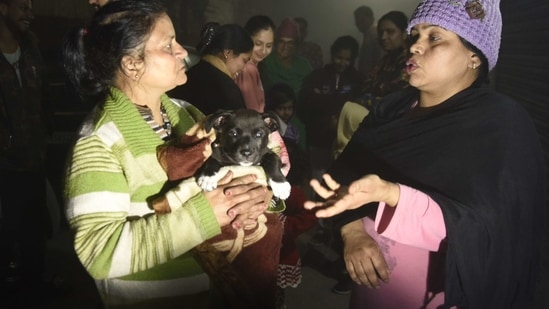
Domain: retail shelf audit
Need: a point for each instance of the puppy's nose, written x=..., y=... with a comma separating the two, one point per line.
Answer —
x=246, y=152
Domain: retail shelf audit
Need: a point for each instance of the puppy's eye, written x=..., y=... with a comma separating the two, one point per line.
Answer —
x=258, y=134
x=233, y=133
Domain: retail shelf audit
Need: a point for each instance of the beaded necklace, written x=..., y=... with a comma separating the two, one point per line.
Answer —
x=164, y=131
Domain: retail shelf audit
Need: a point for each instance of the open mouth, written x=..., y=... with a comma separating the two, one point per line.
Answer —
x=411, y=66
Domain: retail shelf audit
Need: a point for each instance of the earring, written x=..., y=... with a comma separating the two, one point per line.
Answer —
x=474, y=66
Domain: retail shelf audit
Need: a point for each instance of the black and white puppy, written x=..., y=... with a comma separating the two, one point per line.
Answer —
x=242, y=136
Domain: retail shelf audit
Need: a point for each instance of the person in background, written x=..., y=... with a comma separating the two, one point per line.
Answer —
x=281, y=99
x=295, y=219
x=261, y=28
x=310, y=50
x=370, y=51
x=387, y=76
x=123, y=62
x=225, y=50
x=455, y=170
x=323, y=93
x=285, y=65
x=24, y=129
x=322, y=96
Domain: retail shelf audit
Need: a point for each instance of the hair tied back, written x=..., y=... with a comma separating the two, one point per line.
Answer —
x=207, y=34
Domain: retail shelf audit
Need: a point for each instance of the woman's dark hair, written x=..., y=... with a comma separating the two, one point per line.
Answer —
x=345, y=42
x=259, y=22
x=397, y=17
x=214, y=39
x=279, y=94
x=483, y=74
x=93, y=55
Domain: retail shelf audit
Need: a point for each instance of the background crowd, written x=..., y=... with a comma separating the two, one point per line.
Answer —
x=146, y=91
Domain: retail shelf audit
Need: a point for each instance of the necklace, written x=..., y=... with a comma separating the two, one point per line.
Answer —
x=164, y=131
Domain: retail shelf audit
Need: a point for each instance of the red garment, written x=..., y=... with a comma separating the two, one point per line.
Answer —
x=296, y=220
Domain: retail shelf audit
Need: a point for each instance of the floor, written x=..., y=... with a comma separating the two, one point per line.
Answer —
x=313, y=292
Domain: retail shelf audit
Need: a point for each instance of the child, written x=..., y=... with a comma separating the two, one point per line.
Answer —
x=281, y=99
x=295, y=219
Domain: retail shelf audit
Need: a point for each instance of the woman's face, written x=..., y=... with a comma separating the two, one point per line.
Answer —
x=164, y=65
x=235, y=64
x=439, y=61
x=342, y=60
x=390, y=36
x=263, y=44
x=286, y=47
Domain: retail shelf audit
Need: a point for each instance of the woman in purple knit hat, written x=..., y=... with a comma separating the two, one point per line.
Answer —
x=447, y=176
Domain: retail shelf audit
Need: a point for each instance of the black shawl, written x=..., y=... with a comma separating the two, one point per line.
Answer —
x=478, y=156
x=209, y=89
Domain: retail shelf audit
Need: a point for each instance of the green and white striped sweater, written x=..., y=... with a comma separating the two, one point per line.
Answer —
x=134, y=255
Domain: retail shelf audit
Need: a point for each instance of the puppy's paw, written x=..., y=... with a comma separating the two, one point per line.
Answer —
x=280, y=189
x=207, y=183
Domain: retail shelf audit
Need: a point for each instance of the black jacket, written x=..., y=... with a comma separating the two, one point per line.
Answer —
x=479, y=157
x=321, y=98
x=209, y=89
x=23, y=109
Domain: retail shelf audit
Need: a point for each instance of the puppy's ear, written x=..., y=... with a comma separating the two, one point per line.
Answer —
x=271, y=121
x=216, y=120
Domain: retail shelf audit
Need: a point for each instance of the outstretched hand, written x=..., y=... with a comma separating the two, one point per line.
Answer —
x=337, y=199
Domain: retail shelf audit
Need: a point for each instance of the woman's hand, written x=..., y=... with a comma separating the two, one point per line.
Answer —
x=369, y=188
x=238, y=201
x=364, y=260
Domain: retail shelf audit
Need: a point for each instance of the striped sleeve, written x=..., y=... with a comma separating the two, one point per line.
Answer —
x=115, y=235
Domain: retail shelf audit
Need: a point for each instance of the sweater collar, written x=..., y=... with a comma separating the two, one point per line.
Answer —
x=129, y=121
x=218, y=63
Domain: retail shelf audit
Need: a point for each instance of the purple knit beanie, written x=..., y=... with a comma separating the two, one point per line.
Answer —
x=477, y=21
x=288, y=28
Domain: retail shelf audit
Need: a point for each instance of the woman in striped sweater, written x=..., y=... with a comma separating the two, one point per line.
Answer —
x=123, y=63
